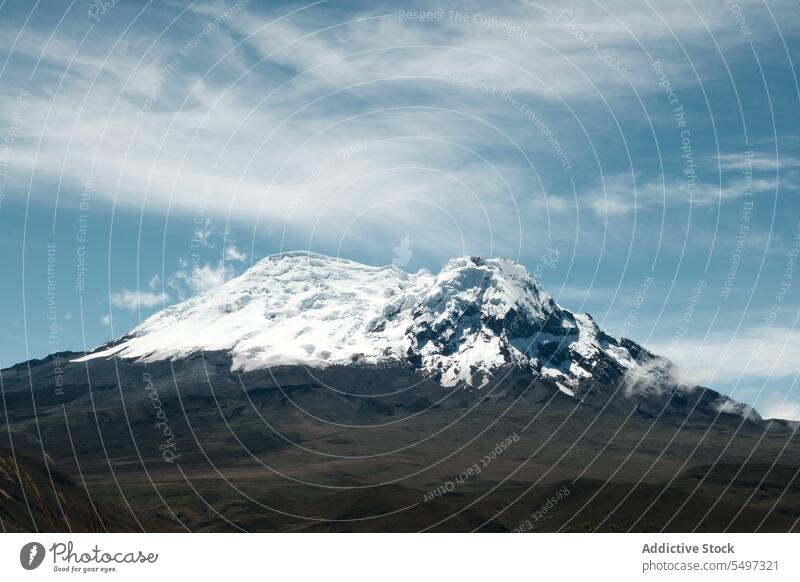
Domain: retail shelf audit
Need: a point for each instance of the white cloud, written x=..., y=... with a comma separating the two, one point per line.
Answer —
x=204, y=233
x=133, y=300
x=234, y=254
x=779, y=407
x=244, y=148
x=751, y=354
x=618, y=194
x=105, y=320
x=757, y=163
x=197, y=279
x=733, y=407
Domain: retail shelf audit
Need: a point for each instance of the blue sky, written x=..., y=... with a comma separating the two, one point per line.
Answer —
x=151, y=151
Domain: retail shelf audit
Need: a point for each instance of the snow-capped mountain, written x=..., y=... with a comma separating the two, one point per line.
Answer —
x=475, y=320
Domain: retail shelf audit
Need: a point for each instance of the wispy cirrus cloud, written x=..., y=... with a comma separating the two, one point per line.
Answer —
x=620, y=194
x=239, y=121
x=757, y=162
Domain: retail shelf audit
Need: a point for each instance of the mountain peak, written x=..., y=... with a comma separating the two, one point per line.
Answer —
x=460, y=325
x=474, y=320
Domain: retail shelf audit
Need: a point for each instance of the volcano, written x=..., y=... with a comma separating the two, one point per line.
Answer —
x=319, y=394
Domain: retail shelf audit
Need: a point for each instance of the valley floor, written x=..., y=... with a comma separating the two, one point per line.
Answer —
x=300, y=456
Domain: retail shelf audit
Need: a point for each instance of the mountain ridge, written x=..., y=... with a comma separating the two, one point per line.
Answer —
x=472, y=322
